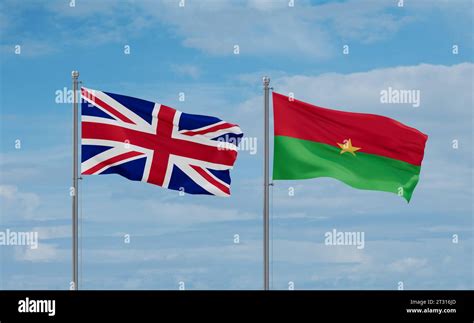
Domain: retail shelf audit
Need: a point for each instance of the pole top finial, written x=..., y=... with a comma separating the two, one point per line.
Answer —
x=75, y=74
x=266, y=81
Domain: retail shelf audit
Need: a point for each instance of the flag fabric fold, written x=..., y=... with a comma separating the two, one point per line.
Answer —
x=365, y=151
x=150, y=142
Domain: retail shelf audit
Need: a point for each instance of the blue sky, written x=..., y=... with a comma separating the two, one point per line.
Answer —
x=190, y=49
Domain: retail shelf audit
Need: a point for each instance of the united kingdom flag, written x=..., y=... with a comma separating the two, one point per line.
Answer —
x=150, y=142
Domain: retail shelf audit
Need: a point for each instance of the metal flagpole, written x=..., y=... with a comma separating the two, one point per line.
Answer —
x=266, y=184
x=75, y=263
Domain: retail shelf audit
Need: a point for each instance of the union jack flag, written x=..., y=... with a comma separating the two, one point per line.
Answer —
x=150, y=142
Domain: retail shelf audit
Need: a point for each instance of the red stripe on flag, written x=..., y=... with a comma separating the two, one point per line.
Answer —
x=161, y=157
x=211, y=129
x=105, y=106
x=375, y=134
x=211, y=179
x=159, y=143
x=111, y=161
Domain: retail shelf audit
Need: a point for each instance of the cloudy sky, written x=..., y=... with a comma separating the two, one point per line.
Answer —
x=422, y=45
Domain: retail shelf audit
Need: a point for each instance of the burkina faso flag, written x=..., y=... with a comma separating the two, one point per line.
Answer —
x=365, y=151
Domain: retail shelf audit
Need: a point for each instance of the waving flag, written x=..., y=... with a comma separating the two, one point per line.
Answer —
x=150, y=142
x=365, y=151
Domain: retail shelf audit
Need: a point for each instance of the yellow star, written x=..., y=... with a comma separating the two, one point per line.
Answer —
x=347, y=146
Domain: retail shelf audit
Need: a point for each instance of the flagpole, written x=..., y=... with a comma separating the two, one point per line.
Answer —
x=75, y=193
x=266, y=184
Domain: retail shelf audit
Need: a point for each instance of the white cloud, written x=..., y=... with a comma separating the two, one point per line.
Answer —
x=23, y=164
x=255, y=33
x=189, y=70
x=440, y=86
x=364, y=21
x=8, y=192
x=20, y=203
x=44, y=253
x=448, y=229
x=53, y=232
x=93, y=23
x=267, y=5
x=304, y=252
x=408, y=264
x=258, y=27
x=187, y=212
x=272, y=27
x=31, y=281
x=418, y=264
x=181, y=254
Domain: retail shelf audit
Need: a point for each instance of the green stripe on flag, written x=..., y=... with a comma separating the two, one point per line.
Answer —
x=302, y=159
